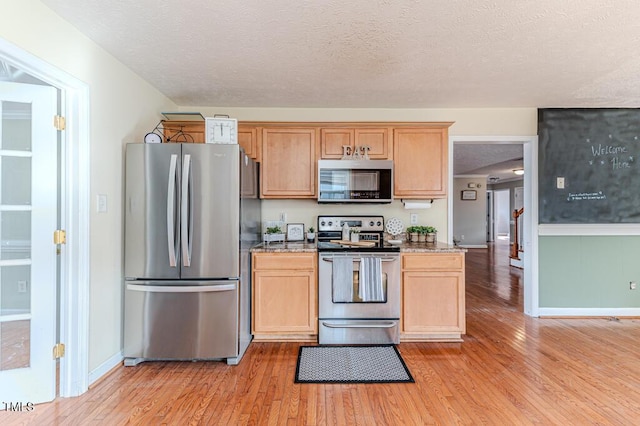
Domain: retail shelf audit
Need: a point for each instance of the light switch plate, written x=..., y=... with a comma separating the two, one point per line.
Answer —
x=101, y=203
x=560, y=182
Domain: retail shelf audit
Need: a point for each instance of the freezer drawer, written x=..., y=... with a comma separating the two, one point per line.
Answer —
x=190, y=321
x=358, y=332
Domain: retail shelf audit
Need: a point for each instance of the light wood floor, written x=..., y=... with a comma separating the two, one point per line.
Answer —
x=510, y=370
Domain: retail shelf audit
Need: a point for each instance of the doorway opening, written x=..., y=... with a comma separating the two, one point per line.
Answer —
x=528, y=146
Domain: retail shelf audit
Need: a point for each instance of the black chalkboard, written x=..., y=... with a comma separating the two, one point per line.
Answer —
x=596, y=151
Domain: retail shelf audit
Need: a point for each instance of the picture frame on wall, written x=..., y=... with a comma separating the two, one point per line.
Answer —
x=295, y=231
x=468, y=195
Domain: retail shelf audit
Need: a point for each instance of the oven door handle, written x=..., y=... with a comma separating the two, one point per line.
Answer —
x=383, y=259
x=360, y=325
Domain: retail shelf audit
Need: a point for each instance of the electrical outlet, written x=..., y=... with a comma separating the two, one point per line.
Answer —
x=413, y=218
x=283, y=217
x=632, y=285
x=22, y=286
x=462, y=237
x=560, y=182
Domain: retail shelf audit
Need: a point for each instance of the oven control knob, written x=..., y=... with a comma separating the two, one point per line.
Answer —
x=322, y=223
x=379, y=223
x=330, y=223
x=371, y=223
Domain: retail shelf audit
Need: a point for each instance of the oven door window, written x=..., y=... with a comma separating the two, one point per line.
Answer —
x=351, y=292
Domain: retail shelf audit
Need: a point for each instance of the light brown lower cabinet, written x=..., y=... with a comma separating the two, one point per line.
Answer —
x=284, y=297
x=433, y=303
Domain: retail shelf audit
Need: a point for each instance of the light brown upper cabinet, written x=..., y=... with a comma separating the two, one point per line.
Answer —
x=288, y=166
x=377, y=138
x=420, y=162
x=248, y=140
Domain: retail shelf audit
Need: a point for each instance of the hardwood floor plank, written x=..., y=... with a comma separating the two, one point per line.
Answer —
x=510, y=369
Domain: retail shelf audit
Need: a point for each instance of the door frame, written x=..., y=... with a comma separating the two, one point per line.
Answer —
x=75, y=210
x=530, y=224
x=491, y=234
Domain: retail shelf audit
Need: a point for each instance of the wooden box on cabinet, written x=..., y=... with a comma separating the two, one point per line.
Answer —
x=284, y=297
x=433, y=302
x=288, y=163
x=377, y=138
x=420, y=162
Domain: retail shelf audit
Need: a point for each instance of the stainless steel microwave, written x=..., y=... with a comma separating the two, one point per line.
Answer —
x=355, y=181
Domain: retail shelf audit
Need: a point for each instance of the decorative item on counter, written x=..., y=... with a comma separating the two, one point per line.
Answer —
x=311, y=234
x=413, y=233
x=422, y=234
x=355, y=235
x=394, y=228
x=295, y=231
x=274, y=233
x=431, y=234
x=346, y=235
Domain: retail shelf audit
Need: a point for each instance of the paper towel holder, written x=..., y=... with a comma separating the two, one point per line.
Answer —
x=417, y=204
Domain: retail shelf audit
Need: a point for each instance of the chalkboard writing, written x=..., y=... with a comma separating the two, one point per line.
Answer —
x=588, y=165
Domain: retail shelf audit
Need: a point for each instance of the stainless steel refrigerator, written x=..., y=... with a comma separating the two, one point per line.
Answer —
x=192, y=213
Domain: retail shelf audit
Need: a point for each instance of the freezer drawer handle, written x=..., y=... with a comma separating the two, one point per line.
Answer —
x=186, y=229
x=171, y=206
x=181, y=289
x=360, y=325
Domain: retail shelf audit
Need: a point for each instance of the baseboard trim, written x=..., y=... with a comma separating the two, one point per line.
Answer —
x=589, y=312
x=482, y=246
x=105, y=367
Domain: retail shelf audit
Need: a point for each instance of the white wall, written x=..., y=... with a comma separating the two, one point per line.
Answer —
x=470, y=216
x=123, y=108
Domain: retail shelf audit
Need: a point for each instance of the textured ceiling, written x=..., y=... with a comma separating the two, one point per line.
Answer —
x=373, y=53
x=496, y=161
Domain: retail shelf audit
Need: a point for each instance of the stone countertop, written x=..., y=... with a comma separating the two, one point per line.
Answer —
x=285, y=247
x=438, y=247
x=305, y=247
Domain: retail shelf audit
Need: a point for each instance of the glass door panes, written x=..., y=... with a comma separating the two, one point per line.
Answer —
x=15, y=234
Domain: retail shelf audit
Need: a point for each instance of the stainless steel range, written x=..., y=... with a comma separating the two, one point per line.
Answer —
x=358, y=285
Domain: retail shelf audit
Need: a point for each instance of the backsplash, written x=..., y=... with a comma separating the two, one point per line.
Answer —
x=307, y=211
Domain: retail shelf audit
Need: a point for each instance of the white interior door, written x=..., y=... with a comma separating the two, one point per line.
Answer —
x=28, y=210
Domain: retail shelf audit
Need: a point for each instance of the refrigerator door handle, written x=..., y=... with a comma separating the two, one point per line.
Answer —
x=181, y=288
x=186, y=226
x=171, y=205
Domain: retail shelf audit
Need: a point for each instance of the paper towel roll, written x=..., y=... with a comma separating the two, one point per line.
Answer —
x=417, y=204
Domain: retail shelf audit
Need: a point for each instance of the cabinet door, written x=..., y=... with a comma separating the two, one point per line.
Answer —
x=433, y=302
x=377, y=140
x=248, y=140
x=284, y=302
x=288, y=167
x=332, y=141
x=420, y=163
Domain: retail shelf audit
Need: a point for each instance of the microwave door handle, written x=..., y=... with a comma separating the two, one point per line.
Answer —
x=171, y=206
x=185, y=225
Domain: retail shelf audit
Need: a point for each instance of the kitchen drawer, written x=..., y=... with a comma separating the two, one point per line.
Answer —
x=284, y=261
x=433, y=261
